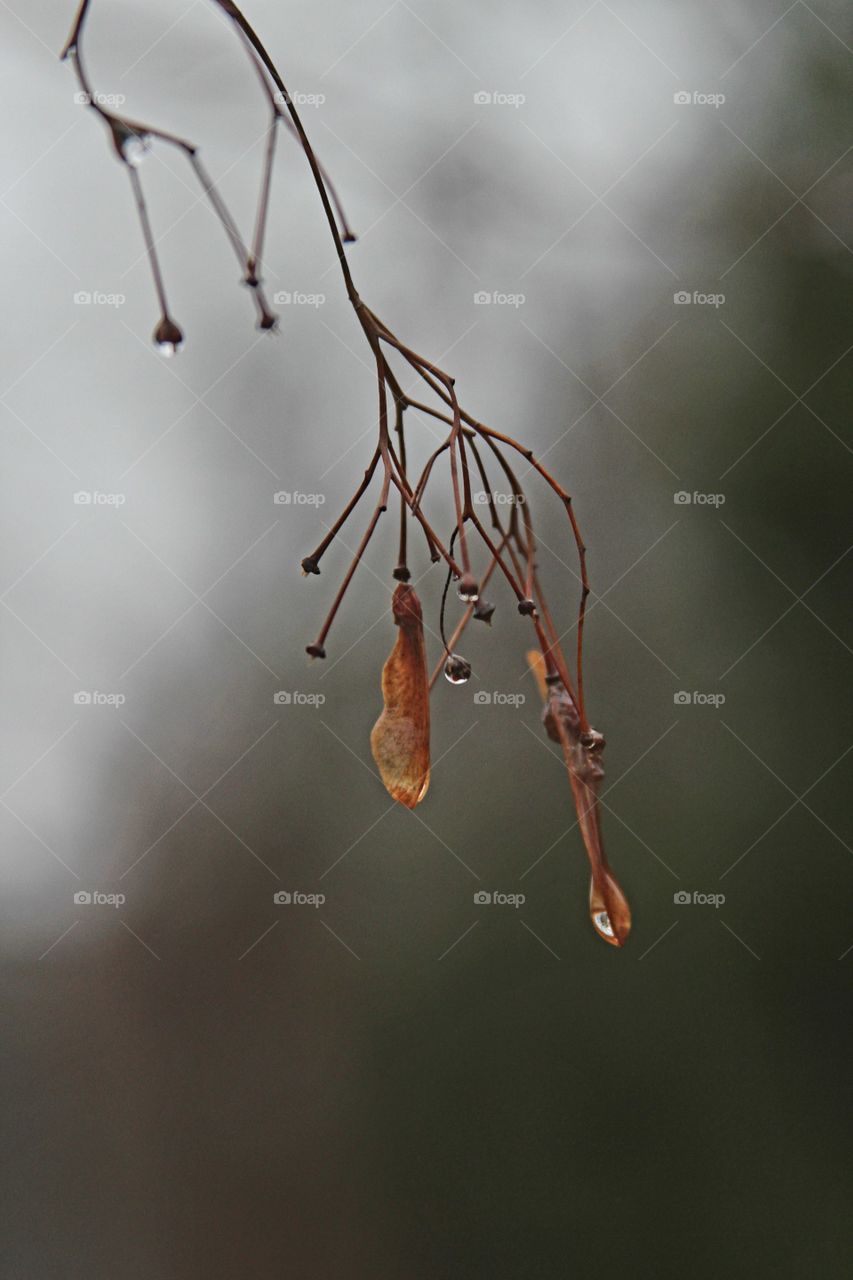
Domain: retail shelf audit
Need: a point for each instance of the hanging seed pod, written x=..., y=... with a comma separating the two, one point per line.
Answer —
x=608, y=906
x=400, y=737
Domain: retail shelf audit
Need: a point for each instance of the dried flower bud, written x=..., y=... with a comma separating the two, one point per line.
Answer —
x=315, y=651
x=526, y=608
x=310, y=565
x=484, y=611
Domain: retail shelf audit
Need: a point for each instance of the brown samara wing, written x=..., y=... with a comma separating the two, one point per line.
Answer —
x=400, y=737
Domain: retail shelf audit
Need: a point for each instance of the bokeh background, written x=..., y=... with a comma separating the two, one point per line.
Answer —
x=401, y=1082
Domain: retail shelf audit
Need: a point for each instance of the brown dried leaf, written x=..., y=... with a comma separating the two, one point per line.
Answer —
x=400, y=737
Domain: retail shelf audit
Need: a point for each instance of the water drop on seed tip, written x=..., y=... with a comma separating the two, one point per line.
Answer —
x=468, y=589
x=168, y=338
x=601, y=921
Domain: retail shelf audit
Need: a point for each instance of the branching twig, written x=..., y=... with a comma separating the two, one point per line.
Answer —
x=511, y=547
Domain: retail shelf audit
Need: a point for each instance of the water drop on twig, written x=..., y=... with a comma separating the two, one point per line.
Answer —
x=457, y=670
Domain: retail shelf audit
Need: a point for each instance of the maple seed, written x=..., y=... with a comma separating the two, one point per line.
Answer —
x=400, y=737
x=609, y=911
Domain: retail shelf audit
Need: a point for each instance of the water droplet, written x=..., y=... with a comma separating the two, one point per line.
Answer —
x=612, y=930
x=168, y=338
x=468, y=589
x=134, y=148
x=601, y=921
x=457, y=670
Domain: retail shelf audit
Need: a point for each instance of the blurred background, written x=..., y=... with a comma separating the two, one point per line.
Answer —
x=399, y=1081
